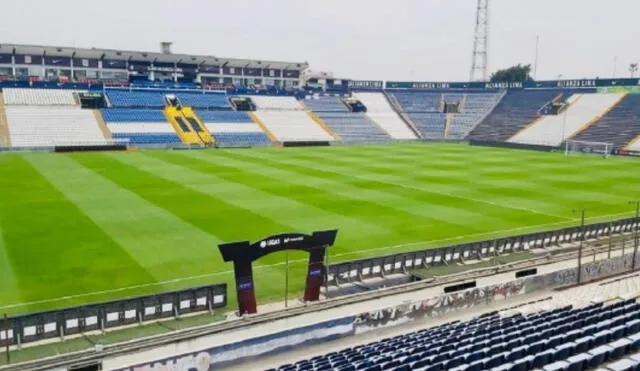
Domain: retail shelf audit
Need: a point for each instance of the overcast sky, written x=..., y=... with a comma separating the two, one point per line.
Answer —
x=363, y=39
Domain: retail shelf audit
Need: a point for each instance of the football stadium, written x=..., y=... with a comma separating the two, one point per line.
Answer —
x=170, y=211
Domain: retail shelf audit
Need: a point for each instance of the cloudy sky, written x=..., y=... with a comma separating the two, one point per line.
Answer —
x=362, y=39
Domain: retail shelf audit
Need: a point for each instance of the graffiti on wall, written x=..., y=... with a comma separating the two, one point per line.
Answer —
x=436, y=306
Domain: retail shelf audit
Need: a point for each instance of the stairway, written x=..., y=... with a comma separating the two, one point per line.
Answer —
x=183, y=126
x=5, y=140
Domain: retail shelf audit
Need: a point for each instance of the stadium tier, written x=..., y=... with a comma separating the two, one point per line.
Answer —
x=47, y=118
x=522, y=116
x=620, y=126
x=39, y=97
x=233, y=128
x=353, y=127
x=380, y=110
x=560, y=339
x=516, y=110
x=427, y=111
x=156, y=99
x=291, y=126
x=140, y=126
x=475, y=107
x=285, y=119
x=265, y=102
x=581, y=111
x=325, y=103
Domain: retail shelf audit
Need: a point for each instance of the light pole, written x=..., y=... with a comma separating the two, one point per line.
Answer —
x=636, y=220
x=633, y=67
x=582, y=212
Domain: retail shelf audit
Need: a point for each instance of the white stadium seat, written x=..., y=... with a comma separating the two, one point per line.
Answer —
x=276, y=103
x=380, y=110
x=35, y=126
x=552, y=130
x=39, y=97
x=292, y=126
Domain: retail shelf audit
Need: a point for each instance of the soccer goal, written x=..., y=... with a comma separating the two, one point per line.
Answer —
x=581, y=146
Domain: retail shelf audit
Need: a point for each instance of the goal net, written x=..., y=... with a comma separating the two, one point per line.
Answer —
x=581, y=146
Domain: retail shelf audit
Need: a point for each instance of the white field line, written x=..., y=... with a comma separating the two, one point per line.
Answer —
x=206, y=275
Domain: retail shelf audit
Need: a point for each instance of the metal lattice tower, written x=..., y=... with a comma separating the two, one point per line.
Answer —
x=480, y=43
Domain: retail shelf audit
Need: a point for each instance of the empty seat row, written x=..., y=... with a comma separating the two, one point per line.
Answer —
x=156, y=99
x=39, y=97
x=45, y=126
x=353, y=127
x=572, y=339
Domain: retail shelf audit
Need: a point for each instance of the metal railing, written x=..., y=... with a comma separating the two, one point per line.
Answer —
x=44, y=325
x=356, y=270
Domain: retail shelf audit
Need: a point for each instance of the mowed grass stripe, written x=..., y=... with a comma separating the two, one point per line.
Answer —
x=401, y=183
x=385, y=210
x=389, y=175
x=126, y=218
x=444, y=207
x=245, y=195
x=340, y=189
x=9, y=290
x=54, y=249
x=211, y=214
x=549, y=182
x=530, y=183
x=533, y=181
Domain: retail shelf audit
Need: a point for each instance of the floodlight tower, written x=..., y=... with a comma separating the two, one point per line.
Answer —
x=480, y=43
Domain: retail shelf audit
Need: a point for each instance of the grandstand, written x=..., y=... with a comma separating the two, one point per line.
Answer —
x=581, y=111
x=349, y=126
x=232, y=128
x=566, y=338
x=619, y=126
x=139, y=126
x=416, y=219
x=47, y=117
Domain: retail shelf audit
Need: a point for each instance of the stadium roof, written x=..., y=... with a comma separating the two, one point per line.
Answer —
x=63, y=51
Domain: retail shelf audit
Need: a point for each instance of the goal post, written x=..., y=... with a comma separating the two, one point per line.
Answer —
x=582, y=146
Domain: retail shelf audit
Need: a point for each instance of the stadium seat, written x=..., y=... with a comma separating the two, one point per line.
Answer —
x=44, y=126
x=450, y=347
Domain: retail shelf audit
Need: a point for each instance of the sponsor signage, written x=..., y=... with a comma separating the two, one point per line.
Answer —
x=236, y=71
x=252, y=72
x=161, y=69
x=114, y=64
x=291, y=74
x=209, y=69
x=57, y=61
x=29, y=59
x=270, y=72
x=366, y=84
x=244, y=253
x=85, y=63
x=580, y=83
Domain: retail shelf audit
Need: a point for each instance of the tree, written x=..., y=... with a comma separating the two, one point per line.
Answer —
x=517, y=73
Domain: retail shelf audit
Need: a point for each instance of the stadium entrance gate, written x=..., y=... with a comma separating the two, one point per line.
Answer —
x=242, y=254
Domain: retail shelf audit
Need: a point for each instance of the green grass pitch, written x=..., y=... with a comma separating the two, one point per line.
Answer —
x=88, y=227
